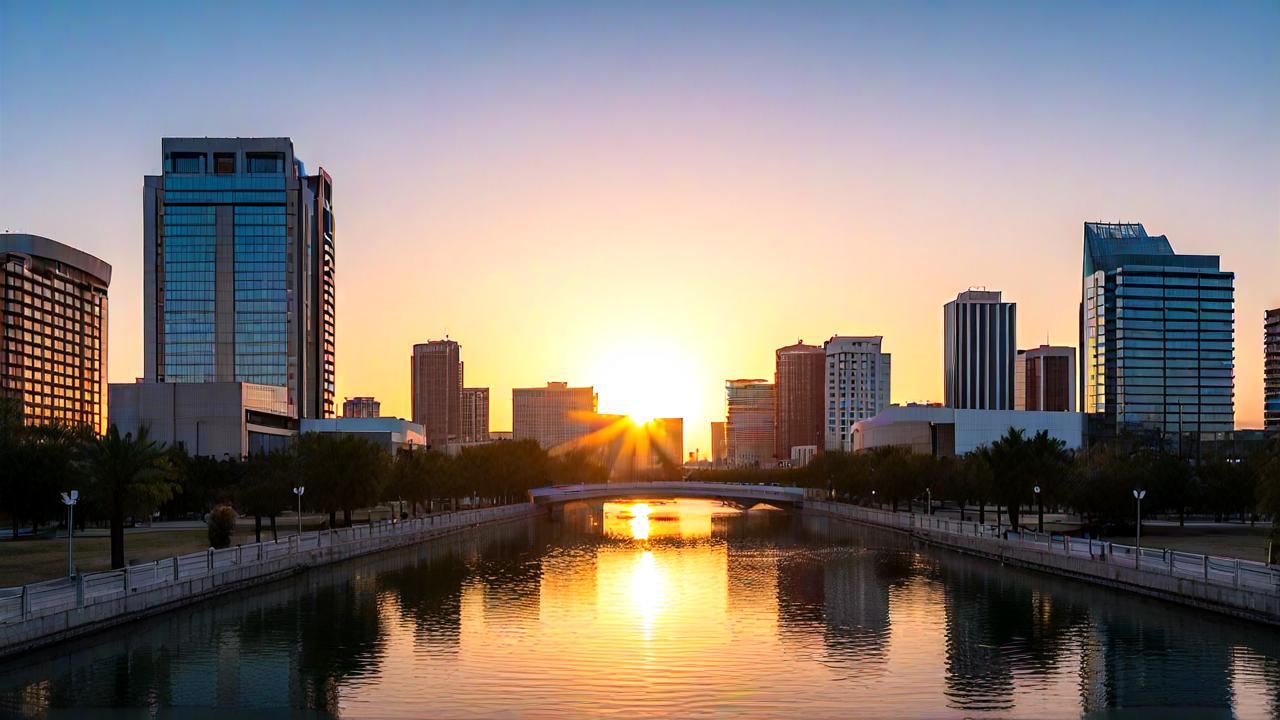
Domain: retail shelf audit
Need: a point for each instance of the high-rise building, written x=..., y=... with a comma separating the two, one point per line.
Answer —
x=749, y=429
x=1156, y=334
x=475, y=415
x=361, y=407
x=979, y=345
x=552, y=415
x=800, y=377
x=436, y=390
x=666, y=441
x=239, y=267
x=719, y=444
x=53, y=331
x=1271, y=371
x=857, y=385
x=1044, y=378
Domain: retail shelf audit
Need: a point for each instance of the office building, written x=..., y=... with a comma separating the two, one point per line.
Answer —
x=552, y=415
x=800, y=378
x=475, y=415
x=1044, y=378
x=979, y=345
x=361, y=407
x=436, y=390
x=719, y=444
x=947, y=432
x=239, y=270
x=749, y=428
x=1156, y=334
x=391, y=434
x=212, y=419
x=1271, y=370
x=666, y=442
x=53, y=332
x=857, y=385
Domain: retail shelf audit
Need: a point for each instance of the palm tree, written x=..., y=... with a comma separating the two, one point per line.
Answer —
x=128, y=473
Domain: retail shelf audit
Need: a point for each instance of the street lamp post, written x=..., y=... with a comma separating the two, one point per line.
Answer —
x=873, y=499
x=298, y=491
x=928, y=495
x=1138, y=495
x=69, y=499
x=1040, y=510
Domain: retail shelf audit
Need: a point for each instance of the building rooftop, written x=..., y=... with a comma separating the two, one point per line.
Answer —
x=43, y=247
x=1110, y=246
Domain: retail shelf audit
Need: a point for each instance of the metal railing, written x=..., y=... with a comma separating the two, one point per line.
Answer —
x=1230, y=572
x=38, y=599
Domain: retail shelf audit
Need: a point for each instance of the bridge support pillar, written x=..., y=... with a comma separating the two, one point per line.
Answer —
x=557, y=512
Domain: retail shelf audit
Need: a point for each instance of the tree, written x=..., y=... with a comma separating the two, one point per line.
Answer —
x=345, y=471
x=40, y=462
x=266, y=486
x=129, y=475
x=1265, y=465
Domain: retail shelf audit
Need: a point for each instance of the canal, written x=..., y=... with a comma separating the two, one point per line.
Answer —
x=680, y=609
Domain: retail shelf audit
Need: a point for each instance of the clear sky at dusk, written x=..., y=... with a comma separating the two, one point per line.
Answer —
x=651, y=197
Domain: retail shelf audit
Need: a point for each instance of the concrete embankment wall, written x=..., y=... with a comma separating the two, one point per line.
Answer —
x=1228, y=586
x=47, y=613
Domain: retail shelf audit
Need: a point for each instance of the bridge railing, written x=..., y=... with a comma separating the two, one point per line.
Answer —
x=676, y=488
x=38, y=599
x=1231, y=572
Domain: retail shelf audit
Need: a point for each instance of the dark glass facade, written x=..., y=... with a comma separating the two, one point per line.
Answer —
x=53, y=331
x=1271, y=370
x=1157, y=335
x=240, y=264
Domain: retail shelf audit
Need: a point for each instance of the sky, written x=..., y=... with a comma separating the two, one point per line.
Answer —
x=651, y=197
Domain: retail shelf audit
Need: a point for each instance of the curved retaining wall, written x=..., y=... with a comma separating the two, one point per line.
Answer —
x=1225, y=585
x=45, y=613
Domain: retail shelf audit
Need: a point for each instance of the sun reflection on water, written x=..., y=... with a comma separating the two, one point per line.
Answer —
x=640, y=521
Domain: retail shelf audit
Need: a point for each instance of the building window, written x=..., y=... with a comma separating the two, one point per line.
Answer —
x=264, y=162
x=186, y=162
x=224, y=163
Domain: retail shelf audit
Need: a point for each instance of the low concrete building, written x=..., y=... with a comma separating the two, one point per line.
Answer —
x=945, y=432
x=218, y=419
x=393, y=434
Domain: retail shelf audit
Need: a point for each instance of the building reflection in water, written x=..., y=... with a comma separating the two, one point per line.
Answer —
x=682, y=608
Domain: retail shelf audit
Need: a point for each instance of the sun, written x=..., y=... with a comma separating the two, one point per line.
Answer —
x=645, y=382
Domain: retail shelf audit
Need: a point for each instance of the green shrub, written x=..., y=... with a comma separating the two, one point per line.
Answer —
x=222, y=522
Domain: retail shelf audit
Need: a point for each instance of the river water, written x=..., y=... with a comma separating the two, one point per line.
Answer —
x=676, y=609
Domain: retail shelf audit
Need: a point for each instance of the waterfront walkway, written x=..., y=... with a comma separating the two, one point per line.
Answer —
x=1228, y=585
x=42, y=613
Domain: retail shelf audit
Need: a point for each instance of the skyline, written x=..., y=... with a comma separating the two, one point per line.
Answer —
x=650, y=189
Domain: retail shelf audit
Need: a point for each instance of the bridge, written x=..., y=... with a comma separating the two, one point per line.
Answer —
x=742, y=494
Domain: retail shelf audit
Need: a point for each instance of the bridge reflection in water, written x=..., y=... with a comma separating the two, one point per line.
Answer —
x=701, y=609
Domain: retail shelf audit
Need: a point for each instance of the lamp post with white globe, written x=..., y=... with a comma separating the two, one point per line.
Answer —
x=69, y=499
x=298, y=491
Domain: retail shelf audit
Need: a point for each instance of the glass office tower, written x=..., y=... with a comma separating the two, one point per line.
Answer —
x=240, y=269
x=1156, y=332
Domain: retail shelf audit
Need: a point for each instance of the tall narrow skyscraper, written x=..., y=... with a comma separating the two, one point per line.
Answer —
x=239, y=261
x=978, y=349
x=436, y=390
x=800, y=379
x=475, y=415
x=1156, y=334
x=857, y=379
x=749, y=428
x=1271, y=370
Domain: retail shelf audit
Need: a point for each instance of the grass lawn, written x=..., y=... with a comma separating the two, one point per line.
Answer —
x=1240, y=541
x=24, y=561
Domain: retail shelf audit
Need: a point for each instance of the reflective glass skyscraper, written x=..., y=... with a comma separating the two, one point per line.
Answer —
x=239, y=263
x=1156, y=332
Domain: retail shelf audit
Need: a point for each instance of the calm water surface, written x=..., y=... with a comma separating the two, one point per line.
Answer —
x=694, y=610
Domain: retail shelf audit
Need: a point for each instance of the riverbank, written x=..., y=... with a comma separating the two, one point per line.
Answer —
x=44, y=613
x=1230, y=586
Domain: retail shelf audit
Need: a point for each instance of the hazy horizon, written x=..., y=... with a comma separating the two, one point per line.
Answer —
x=651, y=198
